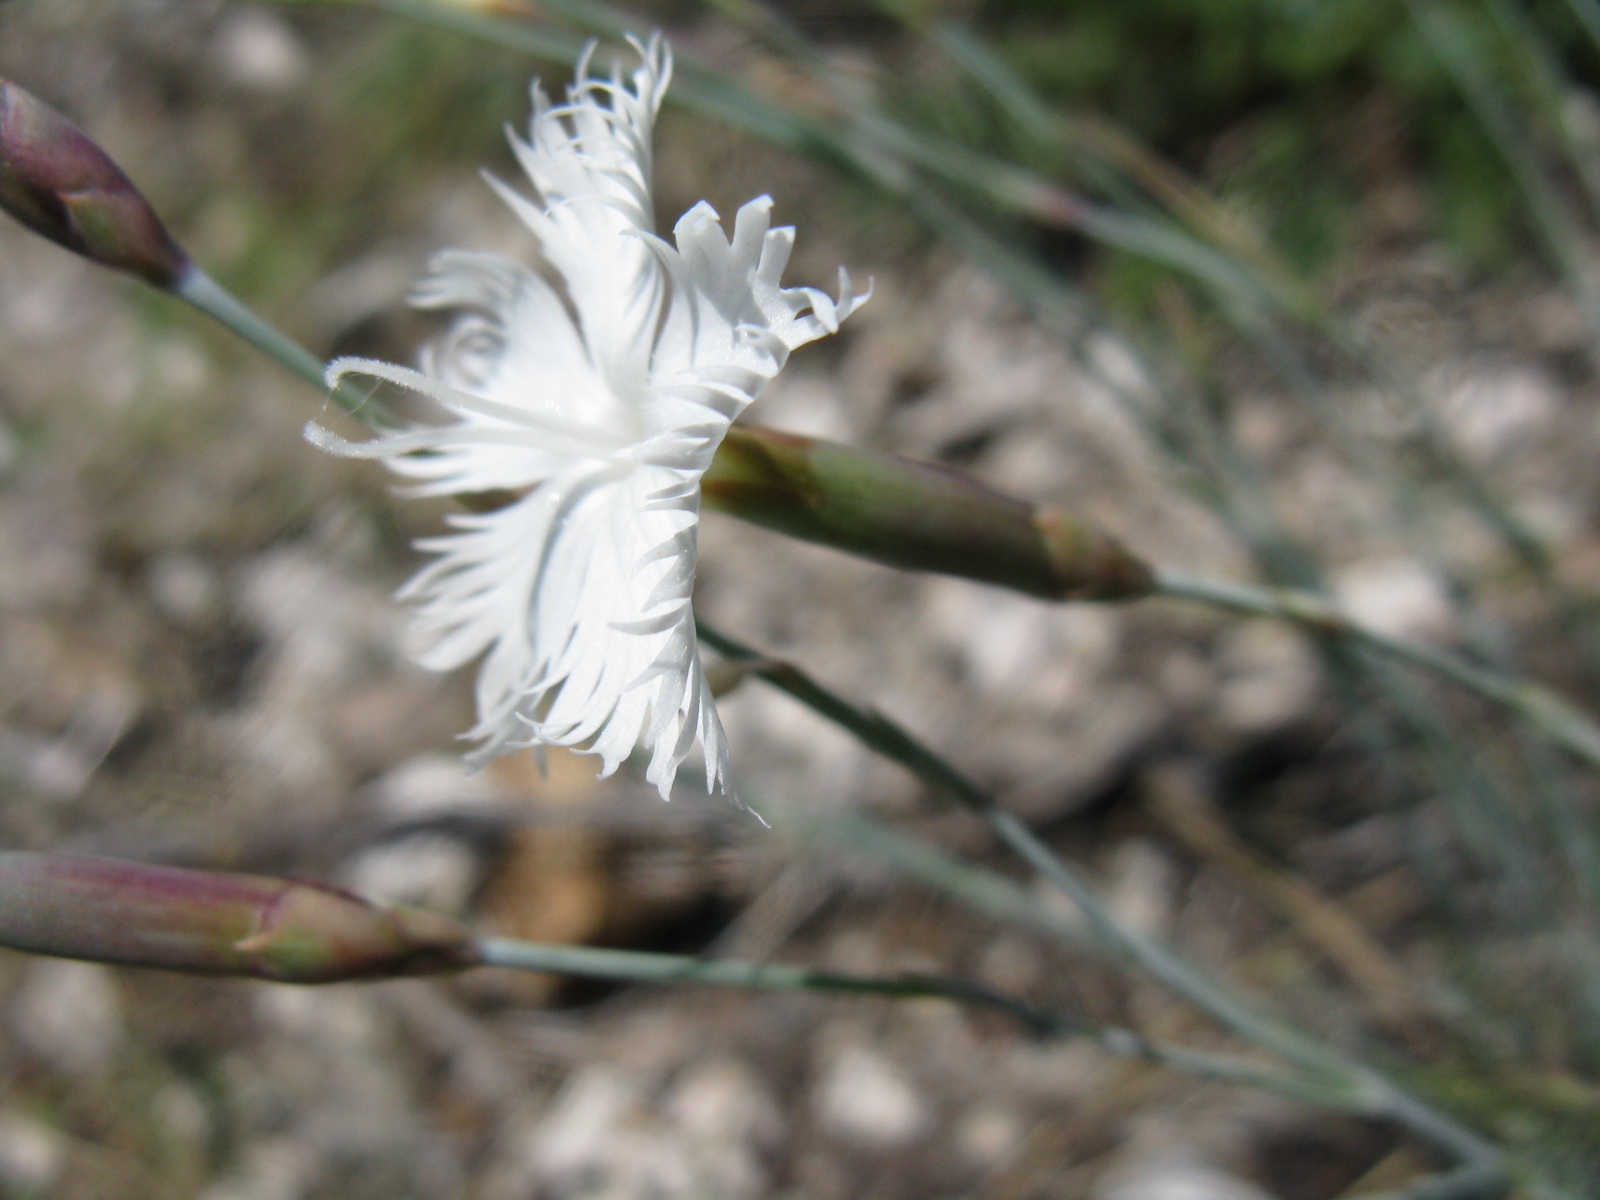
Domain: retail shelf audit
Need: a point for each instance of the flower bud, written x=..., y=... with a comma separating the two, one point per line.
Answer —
x=914, y=515
x=64, y=187
x=216, y=922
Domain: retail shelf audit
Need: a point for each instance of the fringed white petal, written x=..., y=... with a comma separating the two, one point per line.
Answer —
x=601, y=392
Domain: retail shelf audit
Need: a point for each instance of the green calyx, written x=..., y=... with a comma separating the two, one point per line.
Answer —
x=914, y=515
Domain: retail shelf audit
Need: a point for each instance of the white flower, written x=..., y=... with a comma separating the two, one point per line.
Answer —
x=598, y=389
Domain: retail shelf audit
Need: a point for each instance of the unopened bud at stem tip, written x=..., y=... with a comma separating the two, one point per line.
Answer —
x=216, y=922
x=1087, y=564
x=915, y=515
x=58, y=183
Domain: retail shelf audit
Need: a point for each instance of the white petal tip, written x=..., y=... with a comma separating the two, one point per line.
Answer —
x=323, y=439
x=333, y=374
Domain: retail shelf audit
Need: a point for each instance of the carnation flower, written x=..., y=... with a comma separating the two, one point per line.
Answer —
x=597, y=389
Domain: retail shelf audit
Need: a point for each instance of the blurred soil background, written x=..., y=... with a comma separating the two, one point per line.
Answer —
x=200, y=662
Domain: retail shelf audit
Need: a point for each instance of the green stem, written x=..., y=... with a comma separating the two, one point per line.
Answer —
x=891, y=740
x=1541, y=708
x=211, y=298
x=703, y=88
x=1588, y=14
x=637, y=966
x=1088, y=139
x=229, y=923
x=1324, y=1076
x=1554, y=218
x=988, y=892
x=1323, y=1070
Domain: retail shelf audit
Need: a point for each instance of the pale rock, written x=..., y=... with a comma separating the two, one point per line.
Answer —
x=325, y=627
x=992, y=370
x=724, y=1100
x=644, y=1163
x=281, y=1168
x=1060, y=1073
x=258, y=50
x=1497, y=409
x=1175, y=1174
x=807, y=403
x=988, y=1134
x=864, y=1098
x=1028, y=460
x=1023, y=650
x=583, y=1121
x=431, y=785
x=1010, y=963
x=326, y=633
x=469, y=213
x=791, y=750
x=1116, y=366
x=55, y=547
x=334, y=1081
x=1262, y=426
x=728, y=1121
x=1075, y=757
x=1060, y=907
x=32, y=1154
x=184, y=587
x=54, y=299
x=430, y=870
x=1269, y=676
x=1186, y=678
x=284, y=748
x=332, y=1017
x=69, y=1014
x=1396, y=596
x=48, y=768
x=181, y=1112
x=1143, y=884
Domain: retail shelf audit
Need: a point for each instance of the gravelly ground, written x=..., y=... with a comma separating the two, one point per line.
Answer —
x=200, y=663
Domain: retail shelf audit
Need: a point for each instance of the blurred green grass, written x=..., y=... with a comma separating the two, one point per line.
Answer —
x=1270, y=102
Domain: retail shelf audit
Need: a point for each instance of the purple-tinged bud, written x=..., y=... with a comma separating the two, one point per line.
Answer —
x=216, y=922
x=64, y=187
